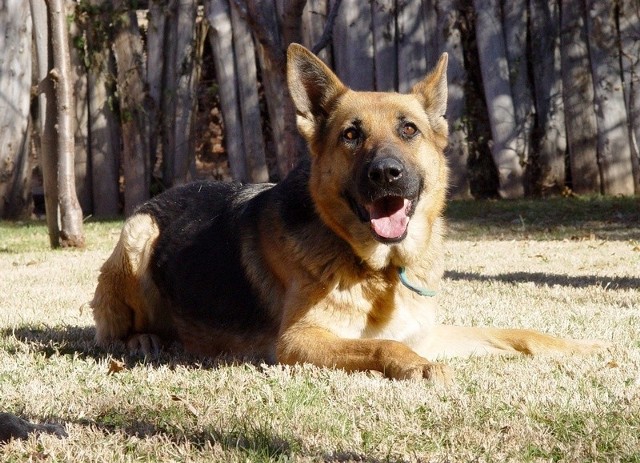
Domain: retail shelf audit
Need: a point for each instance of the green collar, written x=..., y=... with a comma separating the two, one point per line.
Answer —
x=416, y=289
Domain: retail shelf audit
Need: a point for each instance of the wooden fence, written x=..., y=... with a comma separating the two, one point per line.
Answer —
x=543, y=94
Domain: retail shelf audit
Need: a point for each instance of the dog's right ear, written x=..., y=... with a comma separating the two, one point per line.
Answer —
x=313, y=88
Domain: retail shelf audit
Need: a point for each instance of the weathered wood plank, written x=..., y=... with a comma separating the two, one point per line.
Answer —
x=15, y=93
x=384, y=44
x=314, y=18
x=411, y=43
x=614, y=153
x=104, y=127
x=221, y=39
x=354, y=64
x=629, y=20
x=578, y=98
x=448, y=20
x=185, y=100
x=156, y=61
x=245, y=57
x=515, y=17
x=495, y=77
x=133, y=117
x=550, y=141
x=82, y=166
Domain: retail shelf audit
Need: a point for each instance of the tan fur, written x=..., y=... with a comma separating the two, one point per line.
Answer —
x=349, y=311
x=126, y=301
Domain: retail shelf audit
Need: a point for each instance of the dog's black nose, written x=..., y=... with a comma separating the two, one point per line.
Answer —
x=385, y=171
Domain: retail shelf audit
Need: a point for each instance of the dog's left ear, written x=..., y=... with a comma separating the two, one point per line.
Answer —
x=432, y=90
x=314, y=88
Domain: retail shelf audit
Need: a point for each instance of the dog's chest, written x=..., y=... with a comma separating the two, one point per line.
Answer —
x=362, y=311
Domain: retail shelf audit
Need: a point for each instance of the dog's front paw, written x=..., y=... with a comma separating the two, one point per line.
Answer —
x=438, y=373
x=146, y=344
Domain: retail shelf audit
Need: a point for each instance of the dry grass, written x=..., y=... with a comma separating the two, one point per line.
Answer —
x=558, y=277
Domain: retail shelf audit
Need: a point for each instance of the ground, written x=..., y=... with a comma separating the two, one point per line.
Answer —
x=568, y=267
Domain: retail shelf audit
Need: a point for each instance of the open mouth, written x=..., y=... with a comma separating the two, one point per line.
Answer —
x=388, y=217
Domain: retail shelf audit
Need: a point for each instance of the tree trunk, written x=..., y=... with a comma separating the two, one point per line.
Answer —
x=221, y=38
x=495, y=78
x=448, y=21
x=133, y=116
x=354, y=64
x=614, y=152
x=550, y=141
x=249, y=101
x=629, y=23
x=15, y=93
x=48, y=155
x=71, y=228
x=384, y=45
x=515, y=19
x=104, y=133
x=577, y=95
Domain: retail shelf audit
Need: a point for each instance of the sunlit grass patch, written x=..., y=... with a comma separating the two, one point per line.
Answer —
x=550, y=276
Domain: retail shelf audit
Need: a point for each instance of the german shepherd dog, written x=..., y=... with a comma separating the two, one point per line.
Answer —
x=334, y=266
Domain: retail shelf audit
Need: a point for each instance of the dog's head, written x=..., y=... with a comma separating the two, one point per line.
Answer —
x=378, y=169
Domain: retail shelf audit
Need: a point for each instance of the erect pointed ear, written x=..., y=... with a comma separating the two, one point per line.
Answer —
x=432, y=91
x=313, y=88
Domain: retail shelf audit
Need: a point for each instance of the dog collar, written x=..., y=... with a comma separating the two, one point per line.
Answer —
x=416, y=289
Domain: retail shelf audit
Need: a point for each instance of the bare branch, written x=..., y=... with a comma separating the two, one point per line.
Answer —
x=327, y=33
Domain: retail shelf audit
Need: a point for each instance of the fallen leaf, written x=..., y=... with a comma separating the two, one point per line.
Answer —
x=115, y=367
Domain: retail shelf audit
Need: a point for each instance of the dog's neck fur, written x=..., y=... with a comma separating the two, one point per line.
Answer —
x=417, y=253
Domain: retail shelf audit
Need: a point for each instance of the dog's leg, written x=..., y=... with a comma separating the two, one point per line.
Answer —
x=120, y=306
x=458, y=341
x=322, y=348
x=113, y=317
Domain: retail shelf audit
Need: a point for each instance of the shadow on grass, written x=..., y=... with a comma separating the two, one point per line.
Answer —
x=78, y=341
x=59, y=340
x=550, y=279
x=610, y=218
x=255, y=442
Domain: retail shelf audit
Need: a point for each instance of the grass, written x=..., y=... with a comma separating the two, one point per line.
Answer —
x=553, y=218
x=569, y=267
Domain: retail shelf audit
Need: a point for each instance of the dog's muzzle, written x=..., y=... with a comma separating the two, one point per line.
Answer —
x=387, y=193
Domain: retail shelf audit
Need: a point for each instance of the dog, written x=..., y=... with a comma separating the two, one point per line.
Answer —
x=337, y=265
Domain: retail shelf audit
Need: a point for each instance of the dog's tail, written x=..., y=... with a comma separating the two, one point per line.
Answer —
x=120, y=305
x=461, y=341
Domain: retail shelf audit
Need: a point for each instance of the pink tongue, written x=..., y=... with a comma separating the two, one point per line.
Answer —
x=389, y=217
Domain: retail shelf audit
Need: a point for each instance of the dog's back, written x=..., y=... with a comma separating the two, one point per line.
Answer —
x=178, y=271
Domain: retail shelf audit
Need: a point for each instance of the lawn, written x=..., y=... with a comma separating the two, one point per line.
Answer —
x=567, y=266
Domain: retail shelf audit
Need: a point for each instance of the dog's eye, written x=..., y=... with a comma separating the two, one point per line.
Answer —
x=408, y=130
x=351, y=135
